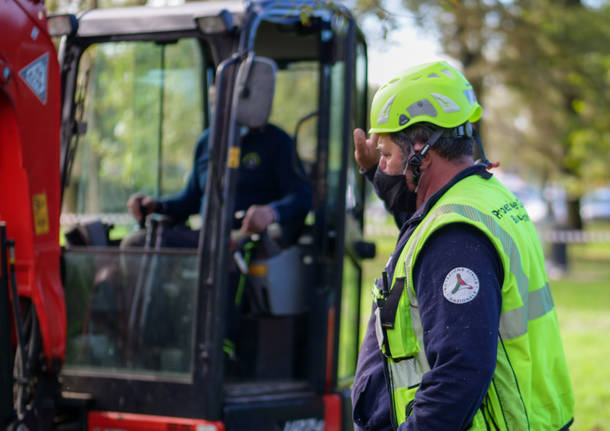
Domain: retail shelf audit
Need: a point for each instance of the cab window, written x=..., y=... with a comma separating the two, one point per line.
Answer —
x=140, y=107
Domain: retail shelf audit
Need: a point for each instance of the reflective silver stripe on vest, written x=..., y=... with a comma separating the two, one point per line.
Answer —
x=540, y=302
x=513, y=323
x=408, y=372
x=508, y=244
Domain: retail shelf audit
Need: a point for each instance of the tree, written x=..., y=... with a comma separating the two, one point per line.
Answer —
x=556, y=59
x=541, y=71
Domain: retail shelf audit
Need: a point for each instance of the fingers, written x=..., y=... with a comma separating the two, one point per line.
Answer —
x=359, y=146
x=133, y=205
x=371, y=143
x=149, y=204
x=140, y=205
x=359, y=139
x=365, y=150
x=247, y=223
x=257, y=219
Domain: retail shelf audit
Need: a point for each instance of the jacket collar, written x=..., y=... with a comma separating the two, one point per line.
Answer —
x=477, y=169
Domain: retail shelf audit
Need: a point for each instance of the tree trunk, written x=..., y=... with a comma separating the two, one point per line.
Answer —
x=573, y=212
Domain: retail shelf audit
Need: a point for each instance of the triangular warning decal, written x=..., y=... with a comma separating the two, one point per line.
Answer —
x=35, y=75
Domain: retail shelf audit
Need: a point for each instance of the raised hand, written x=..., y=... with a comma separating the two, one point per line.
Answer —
x=365, y=150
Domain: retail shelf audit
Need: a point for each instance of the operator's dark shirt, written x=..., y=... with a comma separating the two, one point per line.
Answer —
x=460, y=339
x=270, y=172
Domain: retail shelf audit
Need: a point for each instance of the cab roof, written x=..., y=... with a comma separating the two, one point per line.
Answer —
x=147, y=19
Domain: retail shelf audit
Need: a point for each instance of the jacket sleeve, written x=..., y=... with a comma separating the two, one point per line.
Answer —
x=460, y=338
x=296, y=198
x=188, y=200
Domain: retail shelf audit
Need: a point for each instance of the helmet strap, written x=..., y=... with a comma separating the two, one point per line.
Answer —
x=415, y=161
x=484, y=159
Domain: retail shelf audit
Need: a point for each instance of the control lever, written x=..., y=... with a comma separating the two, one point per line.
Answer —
x=238, y=257
x=142, y=221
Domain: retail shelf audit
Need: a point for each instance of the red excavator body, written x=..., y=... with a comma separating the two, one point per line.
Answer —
x=29, y=175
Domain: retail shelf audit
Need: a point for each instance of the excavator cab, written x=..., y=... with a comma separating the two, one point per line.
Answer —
x=145, y=342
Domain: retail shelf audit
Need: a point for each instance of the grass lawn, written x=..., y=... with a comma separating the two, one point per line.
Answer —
x=583, y=306
x=582, y=298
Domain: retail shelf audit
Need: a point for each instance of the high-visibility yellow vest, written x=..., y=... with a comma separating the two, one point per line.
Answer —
x=531, y=387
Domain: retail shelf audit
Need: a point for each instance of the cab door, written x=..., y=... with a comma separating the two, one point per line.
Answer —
x=137, y=109
x=355, y=248
x=348, y=101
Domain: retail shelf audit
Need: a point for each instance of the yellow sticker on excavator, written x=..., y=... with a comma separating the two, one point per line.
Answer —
x=233, y=160
x=257, y=270
x=41, y=214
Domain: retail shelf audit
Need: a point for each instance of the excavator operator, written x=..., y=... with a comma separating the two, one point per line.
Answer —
x=271, y=187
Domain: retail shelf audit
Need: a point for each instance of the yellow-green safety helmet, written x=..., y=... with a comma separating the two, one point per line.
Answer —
x=435, y=93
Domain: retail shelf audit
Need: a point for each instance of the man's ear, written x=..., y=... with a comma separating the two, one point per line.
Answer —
x=428, y=158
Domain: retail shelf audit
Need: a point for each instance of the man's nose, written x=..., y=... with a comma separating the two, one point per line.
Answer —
x=382, y=164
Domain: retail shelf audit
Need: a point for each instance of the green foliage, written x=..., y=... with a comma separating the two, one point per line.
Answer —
x=293, y=101
x=348, y=344
x=541, y=72
x=143, y=111
x=371, y=269
x=559, y=67
x=307, y=8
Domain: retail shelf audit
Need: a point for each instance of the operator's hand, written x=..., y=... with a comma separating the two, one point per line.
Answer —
x=138, y=202
x=257, y=219
x=365, y=152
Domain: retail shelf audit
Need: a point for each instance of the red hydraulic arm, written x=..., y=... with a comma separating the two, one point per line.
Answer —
x=29, y=163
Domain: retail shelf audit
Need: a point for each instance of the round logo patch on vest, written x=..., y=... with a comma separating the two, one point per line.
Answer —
x=251, y=160
x=461, y=285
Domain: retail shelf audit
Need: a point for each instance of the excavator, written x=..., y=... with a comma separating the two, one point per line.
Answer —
x=98, y=336
x=32, y=306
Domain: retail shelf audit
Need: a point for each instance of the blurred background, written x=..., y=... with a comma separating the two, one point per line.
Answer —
x=541, y=70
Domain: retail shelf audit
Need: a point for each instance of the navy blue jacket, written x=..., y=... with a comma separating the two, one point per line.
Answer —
x=460, y=340
x=270, y=172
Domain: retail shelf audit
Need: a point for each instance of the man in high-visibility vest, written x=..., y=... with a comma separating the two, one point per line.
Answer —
x=463, y=333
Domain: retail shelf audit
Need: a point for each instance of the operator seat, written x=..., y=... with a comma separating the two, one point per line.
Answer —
x=91, y=233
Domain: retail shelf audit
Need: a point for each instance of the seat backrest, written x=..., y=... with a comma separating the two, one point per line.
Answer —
x=92, y=233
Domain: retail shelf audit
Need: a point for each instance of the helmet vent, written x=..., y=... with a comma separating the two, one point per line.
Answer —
x=446, y=103
x=432, y=93
x=390, y=82
x=470, y=96
x=384, y=114
x=421, y=107
x=448, y=73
